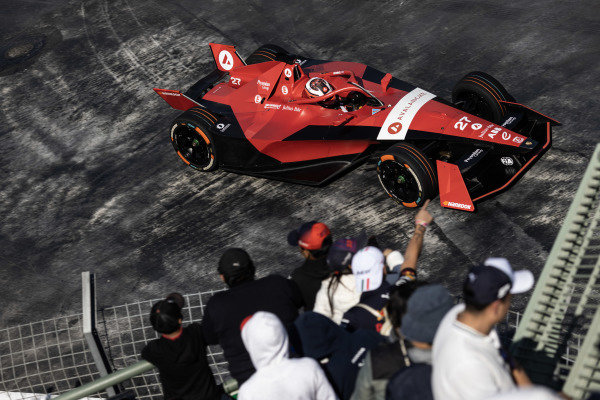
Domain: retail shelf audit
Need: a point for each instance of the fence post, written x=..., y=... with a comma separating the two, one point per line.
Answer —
x=88, y=290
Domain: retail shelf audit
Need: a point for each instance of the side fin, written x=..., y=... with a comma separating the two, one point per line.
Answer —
x=226, y=58
x=453, y=191
x=176, y=99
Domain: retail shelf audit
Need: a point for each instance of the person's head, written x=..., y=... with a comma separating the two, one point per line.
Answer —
x=424, y=311
x=265, y=338
x=313, y=238
x=317, y=87
x=489, y=287
x=166, y=316
x=339, y=257
x=235, y=267
x=368, y=267
x=397, y=303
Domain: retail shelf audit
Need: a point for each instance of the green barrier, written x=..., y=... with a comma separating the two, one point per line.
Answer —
x=106, y=381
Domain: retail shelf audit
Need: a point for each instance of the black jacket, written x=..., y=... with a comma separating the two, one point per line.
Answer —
x=359, y=318
x=225, y=311
x=308, y=277
x=182, y=365
x=340, y=352
x=412, y=383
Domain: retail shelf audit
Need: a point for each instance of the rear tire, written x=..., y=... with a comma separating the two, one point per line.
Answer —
x=407, y=175
x=269, y=52
x=192, y=139
x=481, y=94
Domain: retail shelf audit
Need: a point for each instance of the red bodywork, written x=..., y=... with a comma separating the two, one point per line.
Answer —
x=271, y=104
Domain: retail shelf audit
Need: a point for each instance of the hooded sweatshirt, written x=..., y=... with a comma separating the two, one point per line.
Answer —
x=277, y=376
x=308, y=277
x=341, y=353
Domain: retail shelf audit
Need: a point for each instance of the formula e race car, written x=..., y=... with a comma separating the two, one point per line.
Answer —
x=283, y=116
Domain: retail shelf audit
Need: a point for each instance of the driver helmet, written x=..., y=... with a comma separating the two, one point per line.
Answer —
x=316, y=87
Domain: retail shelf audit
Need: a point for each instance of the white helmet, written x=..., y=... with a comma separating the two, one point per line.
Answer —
x=316, y=87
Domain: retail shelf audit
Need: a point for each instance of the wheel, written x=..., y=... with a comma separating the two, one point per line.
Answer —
x=480, y=94
x=406, y=175
x=269, y=52
x=192, y=139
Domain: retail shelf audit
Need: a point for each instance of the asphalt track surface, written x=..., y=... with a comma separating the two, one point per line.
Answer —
x=89, y=180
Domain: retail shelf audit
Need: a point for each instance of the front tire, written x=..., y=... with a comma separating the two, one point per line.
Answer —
x=482, y=95
x=407, y=175
x=192, y=139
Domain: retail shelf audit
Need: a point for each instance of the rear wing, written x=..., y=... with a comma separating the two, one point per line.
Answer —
x=176, y=99
x=226, y=57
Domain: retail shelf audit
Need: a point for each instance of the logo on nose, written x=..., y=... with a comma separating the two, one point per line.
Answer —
x=394, y=128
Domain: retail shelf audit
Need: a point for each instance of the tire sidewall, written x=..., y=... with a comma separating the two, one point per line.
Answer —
x=468, y=87
x=205, y=135
x=427, y=185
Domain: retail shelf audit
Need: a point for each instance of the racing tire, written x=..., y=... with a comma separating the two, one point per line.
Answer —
x=407, y=175
x=481, y=94
x=192, y=139
x=268, y=52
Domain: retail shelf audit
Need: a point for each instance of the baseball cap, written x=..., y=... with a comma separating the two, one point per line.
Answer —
x=493, y=280
x=234, y=264
x=424, y=311
x=367, y=267
x=165, y=314
x=309, y=235
x=341, y=251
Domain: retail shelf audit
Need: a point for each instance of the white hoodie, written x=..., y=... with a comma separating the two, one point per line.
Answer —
x=277, y=376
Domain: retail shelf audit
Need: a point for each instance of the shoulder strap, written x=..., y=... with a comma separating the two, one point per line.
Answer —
x=370, y=309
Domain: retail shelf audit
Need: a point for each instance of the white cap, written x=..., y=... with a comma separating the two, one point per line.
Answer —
x=367, y=267
x=522, y=280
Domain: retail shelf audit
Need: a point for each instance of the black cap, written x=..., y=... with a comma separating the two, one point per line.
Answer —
x=341, y=251
x=236, y=266
x=165, y=314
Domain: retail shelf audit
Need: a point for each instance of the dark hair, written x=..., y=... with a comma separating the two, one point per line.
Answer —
x=322, y=252
x=334, y=282
x=475, y=308
x=396, y=306
x=165, y=316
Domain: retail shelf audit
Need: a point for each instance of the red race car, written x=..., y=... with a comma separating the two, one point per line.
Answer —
x=287, y=117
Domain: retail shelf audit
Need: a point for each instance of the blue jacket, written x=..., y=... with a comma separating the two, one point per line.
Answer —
x=340, y=352
x=412, y=383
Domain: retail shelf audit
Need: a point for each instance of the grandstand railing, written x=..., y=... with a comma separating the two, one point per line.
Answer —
x=562, y=315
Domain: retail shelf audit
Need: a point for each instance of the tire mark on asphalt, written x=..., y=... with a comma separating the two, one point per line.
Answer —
x=134, y=61
x=154, y=41
x=93, y=47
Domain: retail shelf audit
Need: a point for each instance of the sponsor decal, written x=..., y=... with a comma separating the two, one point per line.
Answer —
x=171, y=94
x=287, y=72
x=263, y=85
x=484, y=131
x=457, y=205
x=375, y=111
x=257, y=98
x=271, y=106
x=290, y=108
x=236, y=81
x=284, y=90
x=518, y=140
x=225, y=60
x=403, y=113
x=394, y=128
x=299, y=61
x=473, y=155
x=508, y=161
x=509, y=121
x=462, y=123
x=505, y=135
x=222, y=127
x=337, y=72
x=494, y=132
x=476, y=126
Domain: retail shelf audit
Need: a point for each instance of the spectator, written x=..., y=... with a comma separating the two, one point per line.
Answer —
x=425, y=310
x=338, y=293
x=180, y=354
x=339, y=352
x=386, y=359
x=225, y=310
x=277, y=376
x=468, y=361
x=314, y=240
x=369, y=313
x=529, y=393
